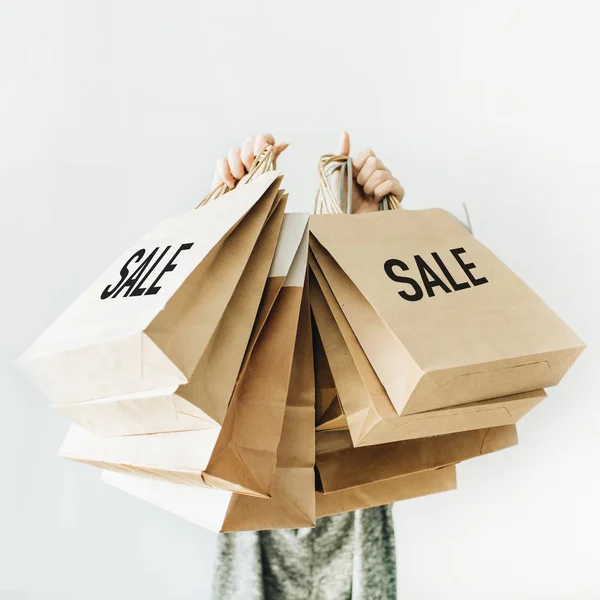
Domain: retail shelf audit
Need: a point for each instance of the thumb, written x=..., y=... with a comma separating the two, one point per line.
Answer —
x=344, y=144
x=279, y=148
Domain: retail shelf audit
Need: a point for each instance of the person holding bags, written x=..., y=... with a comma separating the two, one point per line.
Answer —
x=212, y=382
x=197, y=367
x=350, y=555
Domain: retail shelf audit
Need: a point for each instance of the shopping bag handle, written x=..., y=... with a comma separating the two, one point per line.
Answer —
x=327, y=200
x=265, y=161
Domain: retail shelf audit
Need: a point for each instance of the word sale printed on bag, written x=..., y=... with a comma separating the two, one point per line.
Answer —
x=142, y=265
x=430, y=278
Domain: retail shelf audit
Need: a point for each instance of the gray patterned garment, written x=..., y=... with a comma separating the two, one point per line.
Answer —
x=346, y=557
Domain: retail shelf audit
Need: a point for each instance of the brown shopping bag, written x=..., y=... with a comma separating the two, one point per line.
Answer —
x=130, y=330
x=201, y=403
x=240, y=455
x=245, y=454
x=293, y=499
x=327, y=405
x=340, y=466
x=441, y=319
x=386, y=492
x=362, y=403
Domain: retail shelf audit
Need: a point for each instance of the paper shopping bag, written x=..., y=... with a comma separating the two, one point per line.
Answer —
x=441, y=319
x=293, y=499
x=363, y=401
x=237, y=334
x=244, y=457
x=326, y=399
x=202, y=402
x=386, y=492
x=340, y=466
x=130, y=330
x=239, y=456
x=292, y=502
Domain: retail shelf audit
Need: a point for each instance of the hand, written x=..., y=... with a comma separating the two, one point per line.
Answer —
x=372, y=180
x=238, y=162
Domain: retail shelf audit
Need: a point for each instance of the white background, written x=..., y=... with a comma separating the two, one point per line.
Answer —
x=112, y=115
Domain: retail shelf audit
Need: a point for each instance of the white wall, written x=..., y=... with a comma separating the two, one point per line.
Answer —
x=111, y=117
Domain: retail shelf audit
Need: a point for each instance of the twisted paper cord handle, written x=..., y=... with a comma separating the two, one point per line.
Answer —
x=327, y=201
x=264, y=161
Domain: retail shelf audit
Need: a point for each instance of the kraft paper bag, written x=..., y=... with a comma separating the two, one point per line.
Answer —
x=386, y=492
x=237, y=335
x=240, y=455
x=363, y=405
x=162, y=410
x=340, y=466
x=245, y=455
x=441, y=319
x=130, y=330
x=223, y=511
x=202, y=402
x=326, y=394
x=293, y=500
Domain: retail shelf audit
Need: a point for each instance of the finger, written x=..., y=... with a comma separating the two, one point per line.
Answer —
x=371, y=165
x=247, y=154
x=345, y=144
x=358, y=162
x=225, y=173
x=389, y=186
x=279, y=148
x=377, y=178
x=236, y=166
x=261, y=140
x=397, y=190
